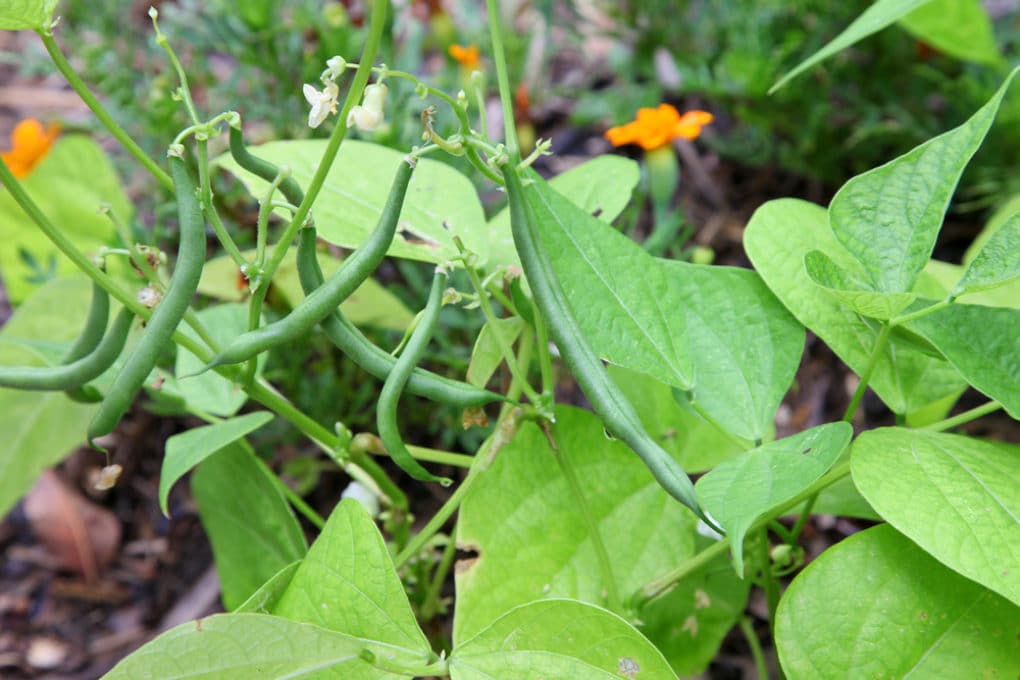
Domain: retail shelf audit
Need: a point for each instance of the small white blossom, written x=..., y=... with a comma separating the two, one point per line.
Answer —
x=363, y=495
x=335, y=67
x=323, y=103
x=369, y=115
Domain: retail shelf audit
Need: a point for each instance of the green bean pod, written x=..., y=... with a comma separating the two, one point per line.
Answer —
x=617, y=414
x=376, y=361
x=263, y=168
x=389, y=396
x=95, y=326
x=75, y=374
x=168, y=313
x=324, y=300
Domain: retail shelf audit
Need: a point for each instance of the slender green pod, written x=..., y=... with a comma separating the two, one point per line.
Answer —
x=95, y=326
x=324, y=300
x=168, y=313
x=617, y=414
x=376, y=361
x=389, y=396
x=73, y=375
x=263, y=168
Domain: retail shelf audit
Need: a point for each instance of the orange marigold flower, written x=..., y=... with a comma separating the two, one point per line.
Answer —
x=30, y=142
x=466, y=56
x=653, y=128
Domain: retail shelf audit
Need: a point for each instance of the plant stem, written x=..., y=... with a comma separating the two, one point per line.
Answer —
x=760, y=666
x=213, y=217
x=504, y=346
x=101, y=114
x=965, y=417
x=768, y=581
x=663, y=584
x=544, y=356
x=613, y=602
x=503, y=80
x=876, y=353
x=900, y=320
x=430, y=607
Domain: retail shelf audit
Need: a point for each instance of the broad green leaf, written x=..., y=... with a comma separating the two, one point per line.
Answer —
x=956, y=497
x=983, y=344
x=523, y=511
x=601, y=186
x=777, y=238
x=255, y=647
x=844, y=500
x=558, y=640
x=960, y=28
x=888, y=218
x=252, y=530
x=716, y=333
x=696, y=444
x=211, y=392
x=998, y=262
x=265, y=598
x=852, y=291
x=441, y=203
x=872, y=20
x=938, y=278
x=486, y=357
x=1002, y=213
x=16, y=15
x=40, y=428
x=78, y=172
x=370, y=305
x=347, y=583
x=688, y=623
x=186, y=450
x=877, y=606
x=739, y=491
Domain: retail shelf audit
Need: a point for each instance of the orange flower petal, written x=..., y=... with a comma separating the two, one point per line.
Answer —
x=30, y=142
x=654, y=128
x=466, y=56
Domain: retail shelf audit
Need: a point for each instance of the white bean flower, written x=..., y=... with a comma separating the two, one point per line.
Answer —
x=369, y=115
x=323, y=103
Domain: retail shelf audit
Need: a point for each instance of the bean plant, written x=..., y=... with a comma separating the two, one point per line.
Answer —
x=586, y=549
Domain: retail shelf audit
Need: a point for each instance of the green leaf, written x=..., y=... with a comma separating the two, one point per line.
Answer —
x=369, y=305
x=558, y=640
x=983, y=344
x=1002, y=213
x=16, y=15
x=714, y=332
x=960, y=28
x=252, y=530
x=938, y=278
x=347, y=583
x=486, y=357
x=853, y=291
x=211, y=392
x=888, y=218
x=688, y=623
x=40, y=428
x=78, y=171
x=601, y=187
x=843, y=499
x=696, y=444
x=739, y=491
x=776, y=240
x=956, y=497
x=998, y=262
x=186, y=450
x=265, y=598
x=872, y=20
x=877, y=606
x=523, y=508
x=441, y=202
x=254, y=647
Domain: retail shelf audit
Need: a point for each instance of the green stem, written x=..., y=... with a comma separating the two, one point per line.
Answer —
x=613, y=602
x=663, y=584
x=965, y=417
x=544, y=355
x=100, y=113
x=299, y=504
x=503, y=80
x=876, y=353
x=504, y=345
x=760, y=666
x=206, y=195
x=900, y=320
x=262, y=225
x=185, y=88
x=430, y=607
